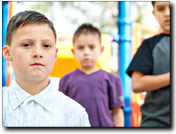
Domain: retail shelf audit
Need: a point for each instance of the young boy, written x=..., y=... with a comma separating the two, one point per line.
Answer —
x=31, y=100
x=96, y=90
x=150, y=71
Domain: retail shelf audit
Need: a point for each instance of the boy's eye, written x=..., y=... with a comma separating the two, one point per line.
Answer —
x=160, y=8
x=92, y=47
x=80, y=47
x=26, y=45
x=47, y=46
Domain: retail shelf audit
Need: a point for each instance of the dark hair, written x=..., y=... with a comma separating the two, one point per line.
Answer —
x=24, y=18
x=86, y=28
x=153, y=2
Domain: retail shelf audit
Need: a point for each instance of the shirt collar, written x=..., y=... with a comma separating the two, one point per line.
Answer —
x=17, y=95
x=44, y=98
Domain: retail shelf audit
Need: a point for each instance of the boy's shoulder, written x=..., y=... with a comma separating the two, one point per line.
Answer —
x=72, y=111
x=101, y=73
x=5, y=90
x=155, y=39
x=110, y=75
x=72, y=73
x=67, y=100
x=69, y=104
x=8, y=90
x=59, y=96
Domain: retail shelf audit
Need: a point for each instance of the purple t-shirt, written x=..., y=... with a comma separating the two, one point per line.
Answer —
x=97, y=92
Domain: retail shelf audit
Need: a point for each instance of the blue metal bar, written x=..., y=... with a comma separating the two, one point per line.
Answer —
x=5, y=16
x=125, y=40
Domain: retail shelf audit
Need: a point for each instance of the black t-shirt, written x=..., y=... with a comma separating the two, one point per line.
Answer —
x=153, y=58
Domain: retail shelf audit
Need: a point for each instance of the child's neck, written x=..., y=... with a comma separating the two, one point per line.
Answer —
x=33, y=88
x=166, y=32
x=89, y=70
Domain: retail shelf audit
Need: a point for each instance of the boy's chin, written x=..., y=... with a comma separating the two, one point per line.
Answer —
x=38, y=79
x=87, y=65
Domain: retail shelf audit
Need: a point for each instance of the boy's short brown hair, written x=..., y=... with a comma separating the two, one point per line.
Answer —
x=24, y=18
x=86, y=28
x=153, y=2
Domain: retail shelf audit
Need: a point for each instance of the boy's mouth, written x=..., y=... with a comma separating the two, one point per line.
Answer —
x=86, y=59
x=167, y=21
x=37, y=64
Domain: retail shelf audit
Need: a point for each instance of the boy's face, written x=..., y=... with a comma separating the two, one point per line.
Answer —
x=32, y=52
x=162, y=14
x=86, y=49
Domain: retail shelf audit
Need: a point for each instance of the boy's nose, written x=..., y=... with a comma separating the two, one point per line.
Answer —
x=86, y=51
x=167, y=11
x=37, y=53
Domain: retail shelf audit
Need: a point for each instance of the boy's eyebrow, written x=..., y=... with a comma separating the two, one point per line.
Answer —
x=32, y=40
x=48, y=40
x=91, y=44
x=25, y=39
x=79, y=45
x=160, y=6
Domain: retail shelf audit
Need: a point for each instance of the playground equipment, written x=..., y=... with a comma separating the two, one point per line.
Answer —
x=125, y=45
x=7, y=10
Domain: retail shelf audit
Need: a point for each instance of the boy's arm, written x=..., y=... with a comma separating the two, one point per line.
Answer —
x=118, y=117
x=141, y=82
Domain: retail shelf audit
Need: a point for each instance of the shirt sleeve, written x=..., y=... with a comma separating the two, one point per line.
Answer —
x=142, y=60
x=115, y=93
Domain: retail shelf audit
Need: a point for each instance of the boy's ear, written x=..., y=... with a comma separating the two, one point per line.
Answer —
x=56, y=53
x=6, y=53
x=72, y=50
x=102, y=49
x=153, y=12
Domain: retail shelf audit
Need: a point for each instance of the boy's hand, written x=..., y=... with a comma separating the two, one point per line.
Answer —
x=118, y=117
x=141, y=82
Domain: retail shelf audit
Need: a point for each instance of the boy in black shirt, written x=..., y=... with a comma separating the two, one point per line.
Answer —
x=150, y=71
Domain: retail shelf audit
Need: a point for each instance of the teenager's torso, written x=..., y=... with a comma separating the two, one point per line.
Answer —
x=153, y=58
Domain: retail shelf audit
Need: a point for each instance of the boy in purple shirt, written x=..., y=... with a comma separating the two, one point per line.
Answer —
x=98, y=91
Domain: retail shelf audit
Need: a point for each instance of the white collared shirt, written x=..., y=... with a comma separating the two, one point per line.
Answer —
x=48, y=108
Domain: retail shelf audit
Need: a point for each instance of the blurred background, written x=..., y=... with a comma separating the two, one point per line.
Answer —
x=124, y=25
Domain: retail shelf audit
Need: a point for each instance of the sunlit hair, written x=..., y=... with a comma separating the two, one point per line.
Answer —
x=23, y=18
x=86, y=28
